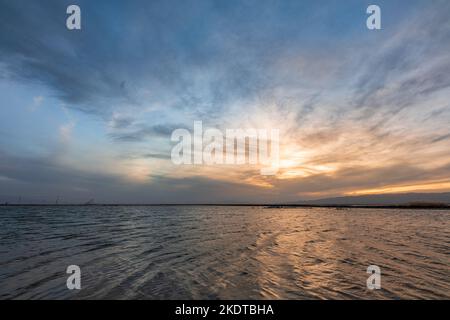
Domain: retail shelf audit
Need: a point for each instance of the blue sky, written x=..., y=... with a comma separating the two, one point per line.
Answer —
x=88, y=114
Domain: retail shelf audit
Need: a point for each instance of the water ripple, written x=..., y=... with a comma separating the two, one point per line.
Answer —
x=210, y=252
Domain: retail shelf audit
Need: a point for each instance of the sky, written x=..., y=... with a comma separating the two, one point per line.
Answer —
x=88, y=114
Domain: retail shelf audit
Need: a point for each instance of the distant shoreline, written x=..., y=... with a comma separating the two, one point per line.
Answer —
x=267, y=206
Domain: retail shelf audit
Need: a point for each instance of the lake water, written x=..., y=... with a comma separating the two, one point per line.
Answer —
x=209, y=252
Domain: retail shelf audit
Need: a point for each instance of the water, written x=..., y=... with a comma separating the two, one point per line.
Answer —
x=209, y=252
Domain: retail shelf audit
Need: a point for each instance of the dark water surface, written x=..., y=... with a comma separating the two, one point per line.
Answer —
x=209, y=252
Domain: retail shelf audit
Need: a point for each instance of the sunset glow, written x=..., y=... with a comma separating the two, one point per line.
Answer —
x=90, y=114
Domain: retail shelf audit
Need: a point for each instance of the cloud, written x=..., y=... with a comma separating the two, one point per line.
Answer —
x=356, y=109
x=410, y=65
x=141, y=132
x=65, y=132
x=441, y=138
x=37, y=102
x=44, y=178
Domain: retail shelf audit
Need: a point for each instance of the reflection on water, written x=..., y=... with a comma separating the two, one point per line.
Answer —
x=210, y=252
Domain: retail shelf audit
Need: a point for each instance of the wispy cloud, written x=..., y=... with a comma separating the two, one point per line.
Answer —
x=357, y=110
